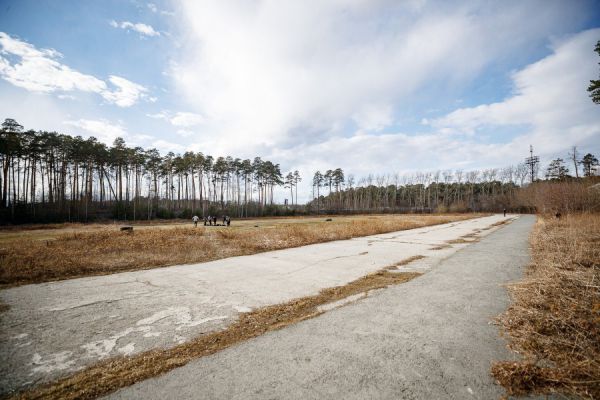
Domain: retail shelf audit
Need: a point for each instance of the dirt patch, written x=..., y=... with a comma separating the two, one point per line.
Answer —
x=499, y=223
x=4, y=307
x=105, y=250
x=473, y=234
x=403, y=262
x=554, y=322
x=503, y=222
x=463, y=239
x=110, y=375
x=472, y=237
x=440, y=247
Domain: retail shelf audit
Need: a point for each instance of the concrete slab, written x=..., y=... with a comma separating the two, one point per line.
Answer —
x=430, y=338
x=55, y=328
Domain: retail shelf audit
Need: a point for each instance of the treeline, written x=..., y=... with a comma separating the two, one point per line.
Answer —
x=48, y=176
x=52, y=177
x=491, y=190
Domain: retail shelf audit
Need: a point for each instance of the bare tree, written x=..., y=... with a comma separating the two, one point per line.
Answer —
x=521, y=172
x=574, y=157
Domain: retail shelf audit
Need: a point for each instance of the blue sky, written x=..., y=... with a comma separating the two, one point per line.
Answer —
x=369, y=86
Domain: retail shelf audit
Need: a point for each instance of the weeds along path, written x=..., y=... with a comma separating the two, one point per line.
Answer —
x=51, y=330
x=554, y=322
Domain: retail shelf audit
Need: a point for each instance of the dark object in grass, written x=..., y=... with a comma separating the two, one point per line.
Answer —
x=128, y=229
x=328, y=220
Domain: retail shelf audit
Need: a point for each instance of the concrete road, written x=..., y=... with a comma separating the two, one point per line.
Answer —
x=430, y=338
x=55, y=328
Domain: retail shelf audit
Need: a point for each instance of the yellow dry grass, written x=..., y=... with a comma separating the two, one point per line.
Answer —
x=440, y=247
x=468, y=238
x=554, y=322
x=104, y=249
x=110, y=375
x=395, y=266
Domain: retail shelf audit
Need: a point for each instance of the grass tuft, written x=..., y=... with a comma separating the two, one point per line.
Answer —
x=395, y=266
x=440, y=247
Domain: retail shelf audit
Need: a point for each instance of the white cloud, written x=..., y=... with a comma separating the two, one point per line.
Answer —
x=373, y=118
x=160, y=115
x=276, y=73
x=126, y=94
x=179, y=119
x=314, y=85
x=186, y=119
x=142, y=29
x=106, y=131
x=550, y=108
x=39, y=71
x=24, y=49
x=33, y=110
x=185, y=133
x=550, y=100
x=156, y=10
x=166, y=146
x=101, y=129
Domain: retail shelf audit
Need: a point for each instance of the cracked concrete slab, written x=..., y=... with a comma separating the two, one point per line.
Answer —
x=55, y=328
x=430, y=338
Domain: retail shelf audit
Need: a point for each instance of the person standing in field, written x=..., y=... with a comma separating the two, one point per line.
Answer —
x=505, y=212
x=195, y=219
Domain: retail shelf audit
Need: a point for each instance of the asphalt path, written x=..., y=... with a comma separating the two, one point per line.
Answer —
x=430, y=338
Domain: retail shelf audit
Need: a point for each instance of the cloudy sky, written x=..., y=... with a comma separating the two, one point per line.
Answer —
x=369, y=86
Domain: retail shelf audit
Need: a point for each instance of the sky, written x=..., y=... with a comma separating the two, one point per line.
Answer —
x=369, y=86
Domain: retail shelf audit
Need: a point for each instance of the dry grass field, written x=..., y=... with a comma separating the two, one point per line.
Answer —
x=39, y=254
x=554, y=322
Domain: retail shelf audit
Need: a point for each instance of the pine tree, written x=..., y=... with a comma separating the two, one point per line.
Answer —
x=557, y=169
x=594, y=87
x=588, y=162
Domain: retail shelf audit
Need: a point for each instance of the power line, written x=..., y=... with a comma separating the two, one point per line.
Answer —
x=532, y=161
